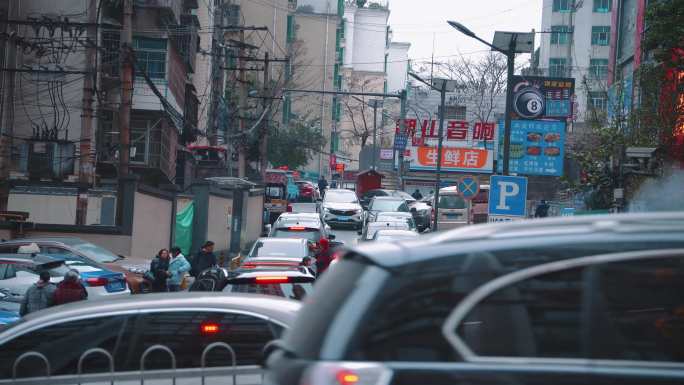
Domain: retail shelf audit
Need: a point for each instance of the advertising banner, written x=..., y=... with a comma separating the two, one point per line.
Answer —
x=537, y=147
x=466, y=147
x=543, y=98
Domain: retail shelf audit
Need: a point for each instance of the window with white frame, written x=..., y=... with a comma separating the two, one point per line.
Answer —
x=150, y=55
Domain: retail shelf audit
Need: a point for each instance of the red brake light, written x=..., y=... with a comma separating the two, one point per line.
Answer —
x=289, y=208
x=97, y=281
x=272, y=279
x=347, y=377
x=209, y=328
x=297, y=228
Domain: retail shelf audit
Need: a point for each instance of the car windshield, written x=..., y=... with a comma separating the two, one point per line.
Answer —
x=451, y=202
x=278, y=249
x=404, y=195
x=341, y=197
x=96, y=253
x=295, y=291
x=309, y=235
x=389, y=205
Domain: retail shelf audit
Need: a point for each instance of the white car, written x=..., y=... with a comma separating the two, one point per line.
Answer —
x=19, y=271
x=394, y=235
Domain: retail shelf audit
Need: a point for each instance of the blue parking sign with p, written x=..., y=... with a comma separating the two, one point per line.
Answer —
x=507, y=195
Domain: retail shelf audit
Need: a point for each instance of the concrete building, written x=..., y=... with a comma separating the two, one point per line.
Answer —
x=397, y=66
x=46, y=110
x=314, y=66
x=578, y=47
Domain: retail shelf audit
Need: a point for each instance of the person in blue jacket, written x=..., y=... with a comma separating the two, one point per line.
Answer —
x=178, y=266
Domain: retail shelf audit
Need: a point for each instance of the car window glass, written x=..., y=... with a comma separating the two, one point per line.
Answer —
x=63, y=344
x=57, y=251
x=631, y=310
x=278, y=249
x=11, y=272
x=3, y=270
x=404, y=323
x=451, y=202
x=296, y=291
x=9, y=249
x=95, y=252
x=340, y=197
x=188, y=333
x=308, y=235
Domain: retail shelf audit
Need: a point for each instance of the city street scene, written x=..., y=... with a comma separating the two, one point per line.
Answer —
x=342, y=192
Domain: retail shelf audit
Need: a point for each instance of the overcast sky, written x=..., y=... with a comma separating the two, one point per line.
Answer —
x=417, y=21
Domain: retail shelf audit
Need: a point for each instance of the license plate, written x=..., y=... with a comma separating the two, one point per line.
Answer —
x=343, y=218
x=452, y=216
x=115, y=286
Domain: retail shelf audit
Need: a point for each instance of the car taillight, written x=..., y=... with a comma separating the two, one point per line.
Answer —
x=97, y=281
x=272, y=279
x=289, y=208
x=209, y=328
x=346, y=373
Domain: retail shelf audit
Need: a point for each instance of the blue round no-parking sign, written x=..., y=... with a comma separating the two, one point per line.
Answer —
x=468, y=187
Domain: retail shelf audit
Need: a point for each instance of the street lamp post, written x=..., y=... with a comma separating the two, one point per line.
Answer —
x=510, y=51
x=375, y=104
x=443, y=86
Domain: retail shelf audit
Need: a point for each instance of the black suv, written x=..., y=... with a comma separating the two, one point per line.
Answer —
x=389, y=313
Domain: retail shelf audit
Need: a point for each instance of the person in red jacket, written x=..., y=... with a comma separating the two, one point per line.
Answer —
x=324, y=256
x=70, y=289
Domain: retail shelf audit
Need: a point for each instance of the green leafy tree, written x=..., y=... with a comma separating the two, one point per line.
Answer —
x=295, y=145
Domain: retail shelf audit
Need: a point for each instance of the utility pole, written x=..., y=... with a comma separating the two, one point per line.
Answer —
x=212, y=132
x=510, y=55
x=242, y=106
x=85, y=161
x=402, y=131
x=440, y=143
x=375, y=104
x=7, y=86
x=263, y=143
x=126, y=88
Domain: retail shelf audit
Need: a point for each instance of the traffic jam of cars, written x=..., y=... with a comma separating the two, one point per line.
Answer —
x=355, y=287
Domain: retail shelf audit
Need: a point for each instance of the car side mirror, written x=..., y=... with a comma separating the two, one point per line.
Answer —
x=121, y=256
x=413, y=210
x=429, y=203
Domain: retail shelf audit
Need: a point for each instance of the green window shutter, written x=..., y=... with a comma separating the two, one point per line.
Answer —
x=340, y=8
x=602, y=6
x=558, y=67
x=598, y=68
x=335, y=142
x=559, y=34
x=290, y=28
x=561, y=5
x=600, y=35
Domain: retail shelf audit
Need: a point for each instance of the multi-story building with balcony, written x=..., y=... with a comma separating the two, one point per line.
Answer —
x=576, y=43
x=45, y=106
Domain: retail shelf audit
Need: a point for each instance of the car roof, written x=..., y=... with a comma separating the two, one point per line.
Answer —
x=281, y=310
x=546, y=232
x=394, y=214
x=33, y=259
x=284, y=241
x=64, y=240
x=388, y=198
x=393, y=232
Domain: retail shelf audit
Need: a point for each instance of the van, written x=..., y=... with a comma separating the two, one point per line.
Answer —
x=453, y=209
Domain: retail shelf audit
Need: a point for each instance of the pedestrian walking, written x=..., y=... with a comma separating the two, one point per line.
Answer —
x=39, y=296
x=205, y=259
x=542, y=210
x=417, y=195
x=322, y=185
x=308, y=264
x=70, y=289
x=177, y=269
x=160, y=270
